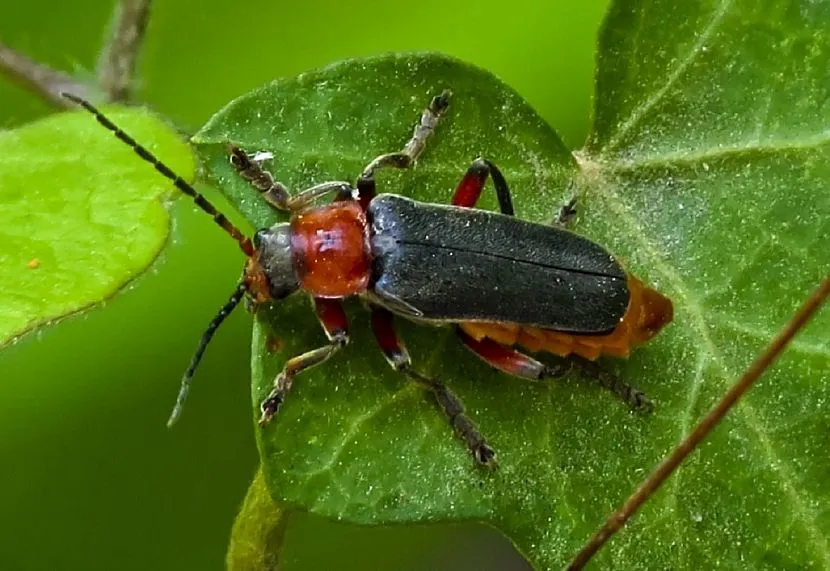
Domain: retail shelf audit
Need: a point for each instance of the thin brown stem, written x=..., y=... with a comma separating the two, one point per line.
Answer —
x=670, y=463
x=116, y=69
x=40, y=79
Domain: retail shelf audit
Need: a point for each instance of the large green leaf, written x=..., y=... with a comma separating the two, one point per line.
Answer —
x=80, y=214
x=357, y=442
x=711, y=152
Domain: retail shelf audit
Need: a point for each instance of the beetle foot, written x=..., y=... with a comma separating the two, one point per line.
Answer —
x=440, y=102
x=632, y=396
x=566, y=214
x=639, y=402
x=485, y=455
x=269, y=407
x=476, y=443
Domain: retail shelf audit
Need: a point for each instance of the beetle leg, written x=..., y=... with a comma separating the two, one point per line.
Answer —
x=276, y=193
x=567, y=213
x=397, y=355
x=365, y=191
x=415, y=146
x=411, y=151
x=505, y=359
x=518, y=364
x=469, y=189
x=335, y=324
x=632, y=396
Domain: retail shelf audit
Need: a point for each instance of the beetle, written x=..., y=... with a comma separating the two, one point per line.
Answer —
x=504, y=283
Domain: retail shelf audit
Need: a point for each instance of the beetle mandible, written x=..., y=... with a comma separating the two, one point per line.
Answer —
x=502, y=282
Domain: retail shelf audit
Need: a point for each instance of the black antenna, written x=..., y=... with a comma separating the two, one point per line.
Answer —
x=200, y=350
x=201, y=201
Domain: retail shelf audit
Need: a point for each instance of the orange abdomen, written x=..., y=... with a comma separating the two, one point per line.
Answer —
x=648, y=312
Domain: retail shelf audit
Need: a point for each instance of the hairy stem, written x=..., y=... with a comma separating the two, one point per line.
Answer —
x=116, y=69
x=40, y=79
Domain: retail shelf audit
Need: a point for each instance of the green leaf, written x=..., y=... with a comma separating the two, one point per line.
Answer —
x=357, y=442
x=710, y=152
x=324, y=452
x=81, y=214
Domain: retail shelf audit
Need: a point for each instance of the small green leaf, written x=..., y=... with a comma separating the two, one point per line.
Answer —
x=81, y=214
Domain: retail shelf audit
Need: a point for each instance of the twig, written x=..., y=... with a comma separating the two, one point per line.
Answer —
x=40, y=79
x=670, y=464
x=116, y=68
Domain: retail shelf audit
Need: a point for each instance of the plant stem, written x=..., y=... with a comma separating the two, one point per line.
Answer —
x=116, y=68
x=40, y=79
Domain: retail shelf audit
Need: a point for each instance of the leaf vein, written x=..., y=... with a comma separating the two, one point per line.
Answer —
x=647, y=105
x=758, y=332
x=685, y=423
x=355, y=426
x=721, y=152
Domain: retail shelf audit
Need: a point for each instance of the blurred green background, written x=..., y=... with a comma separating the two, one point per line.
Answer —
x=91, y=478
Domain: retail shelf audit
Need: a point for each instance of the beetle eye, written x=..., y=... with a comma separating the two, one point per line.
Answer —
x=258, y=237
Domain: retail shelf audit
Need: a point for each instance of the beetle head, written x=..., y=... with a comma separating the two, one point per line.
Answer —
x=269, y=272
